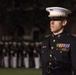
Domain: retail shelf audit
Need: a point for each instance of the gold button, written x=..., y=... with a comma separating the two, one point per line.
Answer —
x=50, y=55
x=50, y=63
x=53, y=40
x=60, y=51
x=52, y=47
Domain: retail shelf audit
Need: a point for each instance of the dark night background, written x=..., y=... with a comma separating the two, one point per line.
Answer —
x=27, y=19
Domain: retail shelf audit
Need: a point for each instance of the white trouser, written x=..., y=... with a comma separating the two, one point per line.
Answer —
x=6, y=62
x=14, y=62
x=26, y=61
x=19, y=61
x=37, y=62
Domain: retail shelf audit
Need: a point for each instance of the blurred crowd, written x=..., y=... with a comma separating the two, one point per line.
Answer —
x=20, y=54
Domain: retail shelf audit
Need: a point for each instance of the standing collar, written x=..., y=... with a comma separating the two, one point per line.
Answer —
x=58, y=35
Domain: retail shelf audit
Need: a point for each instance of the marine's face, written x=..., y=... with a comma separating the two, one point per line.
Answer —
x=57, y=25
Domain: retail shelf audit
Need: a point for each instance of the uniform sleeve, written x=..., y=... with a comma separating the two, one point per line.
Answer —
x=43, y=66
x=43, y=60
x=73, y=56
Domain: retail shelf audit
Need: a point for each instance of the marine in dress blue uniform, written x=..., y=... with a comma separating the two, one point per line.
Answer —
x=19, y=54
x=36, y=52
x=14, y=55
x=59, y=49
x=6, y=55
x=26, y=54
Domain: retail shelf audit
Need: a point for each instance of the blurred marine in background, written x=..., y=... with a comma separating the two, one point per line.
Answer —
x=6, y=55
x=36, y=52
x=26, y=54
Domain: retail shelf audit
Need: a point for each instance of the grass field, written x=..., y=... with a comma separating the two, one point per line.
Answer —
x=20, y=71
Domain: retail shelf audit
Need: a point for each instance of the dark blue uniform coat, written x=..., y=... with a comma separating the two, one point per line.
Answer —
x=59, y=48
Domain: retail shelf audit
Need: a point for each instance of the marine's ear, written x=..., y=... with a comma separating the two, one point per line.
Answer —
x=64, y=22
